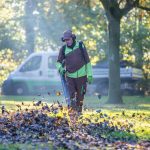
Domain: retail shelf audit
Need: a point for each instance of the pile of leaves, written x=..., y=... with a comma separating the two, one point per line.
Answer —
x=50, y=123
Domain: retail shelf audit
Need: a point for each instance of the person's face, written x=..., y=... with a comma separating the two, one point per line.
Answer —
x=69, y=41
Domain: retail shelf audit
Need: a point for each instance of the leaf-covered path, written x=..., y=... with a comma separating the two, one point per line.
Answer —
x=50, y=123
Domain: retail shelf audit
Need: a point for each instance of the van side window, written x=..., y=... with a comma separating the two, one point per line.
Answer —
x=32, y=64
x=51, y=62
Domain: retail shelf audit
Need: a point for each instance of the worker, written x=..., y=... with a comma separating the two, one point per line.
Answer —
x=73, y=60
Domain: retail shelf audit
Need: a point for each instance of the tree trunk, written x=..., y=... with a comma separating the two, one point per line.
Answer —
x=139, y=47
x=29, y=26
x=114, y=92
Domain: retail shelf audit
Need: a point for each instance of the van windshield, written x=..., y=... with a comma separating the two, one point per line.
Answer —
x=51, y=62
x=32, y=64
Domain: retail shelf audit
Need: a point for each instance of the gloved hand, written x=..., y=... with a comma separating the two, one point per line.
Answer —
x=62, y=70
x=90, y=79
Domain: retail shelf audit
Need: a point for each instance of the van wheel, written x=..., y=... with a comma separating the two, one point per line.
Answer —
x=20, y=89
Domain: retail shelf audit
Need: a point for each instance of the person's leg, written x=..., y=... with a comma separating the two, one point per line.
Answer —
x=72, y=91
x=81, y=90
x=72, y=109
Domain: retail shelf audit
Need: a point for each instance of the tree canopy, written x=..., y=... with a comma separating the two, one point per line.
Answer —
x=37, y=25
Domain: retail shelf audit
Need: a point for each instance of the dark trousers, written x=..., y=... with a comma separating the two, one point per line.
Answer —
x=77, y=90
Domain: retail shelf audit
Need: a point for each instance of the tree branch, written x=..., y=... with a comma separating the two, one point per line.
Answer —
x=143, y=8
x=120, y=2
x=112, y=8
x=129, y=6
x=105, y=4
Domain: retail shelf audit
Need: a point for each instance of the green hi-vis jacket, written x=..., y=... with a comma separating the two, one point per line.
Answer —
x=77, y=62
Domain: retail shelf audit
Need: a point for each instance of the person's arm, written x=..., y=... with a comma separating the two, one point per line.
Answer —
x=60, y=59
x=88, y=65
x=89, y=69
x=85, y=54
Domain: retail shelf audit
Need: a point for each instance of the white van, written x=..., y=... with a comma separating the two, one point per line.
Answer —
x=36, y=75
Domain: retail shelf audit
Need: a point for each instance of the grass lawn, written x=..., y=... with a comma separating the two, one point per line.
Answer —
x=135, y=111
x=25, y=146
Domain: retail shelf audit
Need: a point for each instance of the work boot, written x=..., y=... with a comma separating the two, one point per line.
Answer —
x=79, y=110
x=73, y=116
x=74, y=103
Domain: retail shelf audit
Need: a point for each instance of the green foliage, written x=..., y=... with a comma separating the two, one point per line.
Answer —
x=12, y=33
x=89, y=25
x=135, y=39
x=9, y=62
x=51, y=18
x=87, y=19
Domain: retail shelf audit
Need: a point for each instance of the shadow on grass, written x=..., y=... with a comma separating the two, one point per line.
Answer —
x=28, y=146
x=91, y=102
x=112, y=133
x=130, y=102
x=136, y=107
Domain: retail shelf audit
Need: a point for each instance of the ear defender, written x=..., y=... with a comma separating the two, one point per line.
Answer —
x=62, y=39
x=73, y=36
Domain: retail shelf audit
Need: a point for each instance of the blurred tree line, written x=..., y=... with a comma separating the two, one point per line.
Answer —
x=28, y=26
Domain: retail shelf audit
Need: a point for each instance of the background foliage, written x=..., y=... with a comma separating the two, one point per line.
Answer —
x=37, y=25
